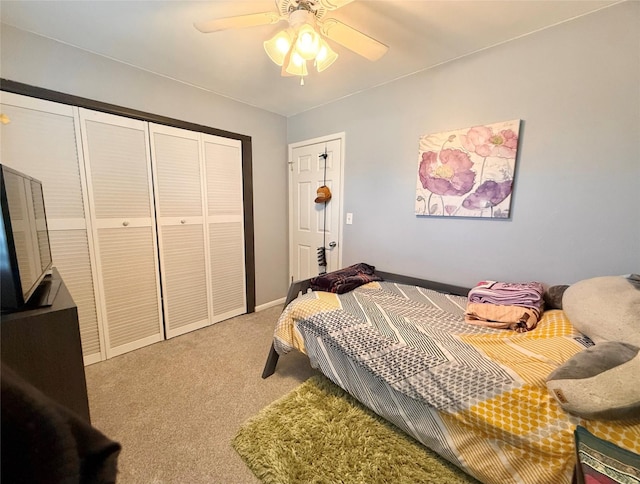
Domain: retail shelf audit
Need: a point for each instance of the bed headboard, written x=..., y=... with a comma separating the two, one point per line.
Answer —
x=414, y=281
x=298, y=287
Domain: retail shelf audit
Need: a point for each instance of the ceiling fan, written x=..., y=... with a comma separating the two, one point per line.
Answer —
x=303, y=40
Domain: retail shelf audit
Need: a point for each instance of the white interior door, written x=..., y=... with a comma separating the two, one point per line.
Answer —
x=315, y=225
x=42, y=139
x=117, y=157
x=225, y=225
x=178, y=182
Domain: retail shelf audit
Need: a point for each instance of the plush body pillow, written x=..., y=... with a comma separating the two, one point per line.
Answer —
x=605, y=308
x=600, y=382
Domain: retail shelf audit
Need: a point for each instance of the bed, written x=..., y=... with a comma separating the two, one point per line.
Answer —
x=477, y=396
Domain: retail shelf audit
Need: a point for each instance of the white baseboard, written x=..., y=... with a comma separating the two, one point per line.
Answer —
x=271, y=304
x=91, y=359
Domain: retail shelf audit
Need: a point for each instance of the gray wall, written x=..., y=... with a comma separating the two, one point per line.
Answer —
x=44, y=63
x=576, y=202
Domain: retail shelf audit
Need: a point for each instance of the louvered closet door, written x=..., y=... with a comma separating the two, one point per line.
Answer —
x=178, y=187
x=225, y=223
x=42, y=139
x=116, y=152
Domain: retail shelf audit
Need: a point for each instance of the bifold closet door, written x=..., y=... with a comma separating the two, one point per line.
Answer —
x=225, y=224
x=118, y=169
x=42, y=139
x=179, y=195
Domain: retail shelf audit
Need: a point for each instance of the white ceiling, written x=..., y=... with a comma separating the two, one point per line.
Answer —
x=158, y=36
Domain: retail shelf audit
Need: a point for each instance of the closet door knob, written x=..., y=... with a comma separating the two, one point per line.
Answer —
x=125, y=223
x=183, y=221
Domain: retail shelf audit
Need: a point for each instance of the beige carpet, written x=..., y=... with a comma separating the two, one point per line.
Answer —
x=176, y=405
x=319, y=434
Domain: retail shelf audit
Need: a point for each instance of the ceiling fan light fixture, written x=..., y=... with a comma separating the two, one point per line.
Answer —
x=278, y=46
x=304, y=39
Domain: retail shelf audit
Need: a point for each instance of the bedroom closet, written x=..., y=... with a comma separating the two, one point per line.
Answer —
x=147, y=221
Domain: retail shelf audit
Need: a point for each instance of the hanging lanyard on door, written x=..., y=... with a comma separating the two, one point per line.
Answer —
x=323, y=196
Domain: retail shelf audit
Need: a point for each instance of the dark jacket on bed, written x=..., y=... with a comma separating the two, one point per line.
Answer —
x=345, y=280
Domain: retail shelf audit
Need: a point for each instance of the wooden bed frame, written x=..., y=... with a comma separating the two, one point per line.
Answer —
x=302, y=287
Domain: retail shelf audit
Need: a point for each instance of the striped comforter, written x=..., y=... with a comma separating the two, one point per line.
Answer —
x=475, y=395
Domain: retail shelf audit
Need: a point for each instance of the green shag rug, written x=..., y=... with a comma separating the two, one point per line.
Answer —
x=320, y=434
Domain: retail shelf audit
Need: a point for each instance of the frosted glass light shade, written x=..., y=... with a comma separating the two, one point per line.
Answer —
x=278, y=46
x=326, y=56
x=297, y=65
x=308, y=42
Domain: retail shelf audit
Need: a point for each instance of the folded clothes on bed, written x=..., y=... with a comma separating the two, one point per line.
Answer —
x=528, y=294
x=497, y=316
x=505, y=305
x=344, y=280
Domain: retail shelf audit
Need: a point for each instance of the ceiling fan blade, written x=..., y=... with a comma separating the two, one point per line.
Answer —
x=353, y=39
x=334, y=4
x=238, y=22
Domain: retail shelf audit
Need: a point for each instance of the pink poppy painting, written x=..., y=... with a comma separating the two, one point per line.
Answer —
x=468, y=172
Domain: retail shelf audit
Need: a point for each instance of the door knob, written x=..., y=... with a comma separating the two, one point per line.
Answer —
x=332, y=245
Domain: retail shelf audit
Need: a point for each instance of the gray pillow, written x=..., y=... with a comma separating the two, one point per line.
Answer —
x=553, y=297
x=600, y=382
x=605, y=308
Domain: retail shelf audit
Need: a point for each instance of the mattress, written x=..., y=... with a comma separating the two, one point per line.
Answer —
x=475, y=395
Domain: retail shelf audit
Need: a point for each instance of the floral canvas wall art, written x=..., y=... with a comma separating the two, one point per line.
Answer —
x=468, y=172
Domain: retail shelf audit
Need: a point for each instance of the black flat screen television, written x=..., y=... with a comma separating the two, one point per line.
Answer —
x=25, y=251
